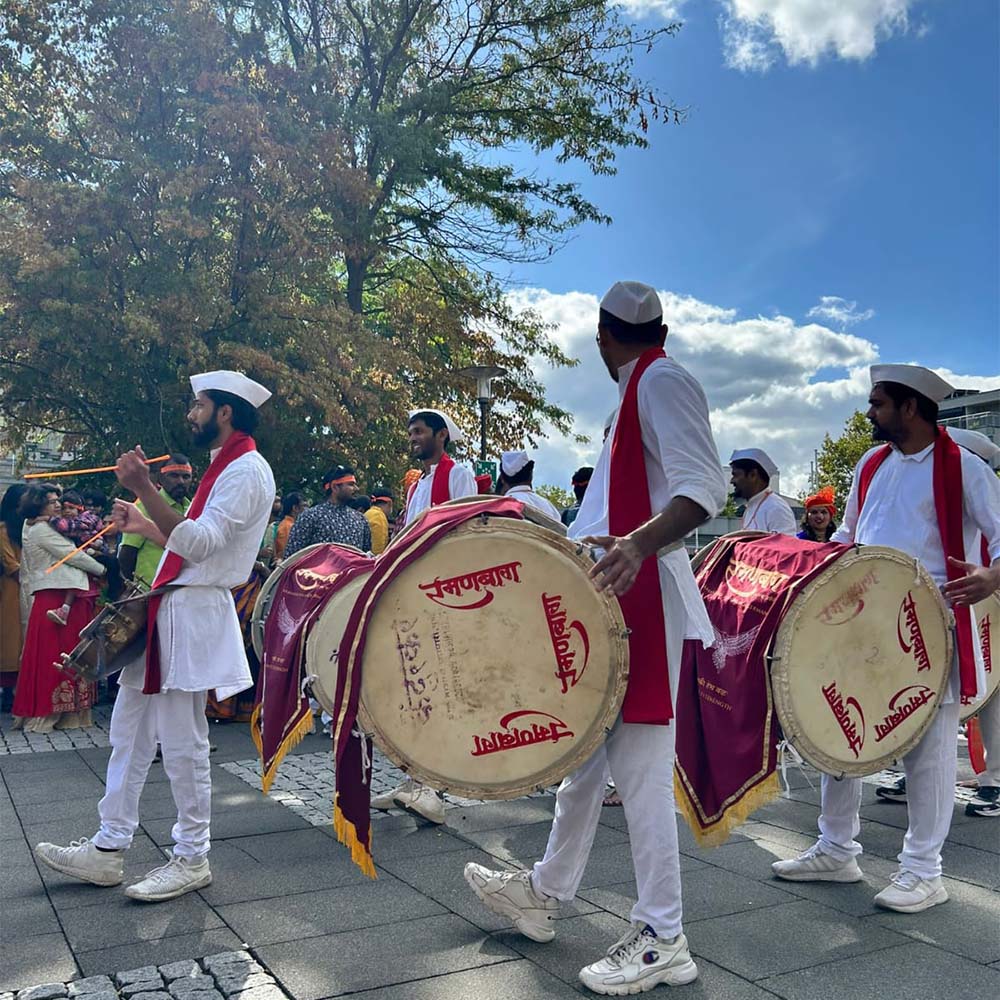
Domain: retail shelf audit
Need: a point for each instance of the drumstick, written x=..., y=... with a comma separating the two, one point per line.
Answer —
x=84, y=472
x=80, y=548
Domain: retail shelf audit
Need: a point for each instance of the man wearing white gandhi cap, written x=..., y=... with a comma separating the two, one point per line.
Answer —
x=516, y=472
x=923, y=494
x=752, y=472
x=194, y=644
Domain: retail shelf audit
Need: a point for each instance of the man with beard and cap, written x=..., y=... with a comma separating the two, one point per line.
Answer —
x=752, y=472
x=335, y=521
x=658, y=477
x=430, y=433
x=516, y=472
x=579, y=482
x=923, y=494
x=139, y=556
x=194, y=642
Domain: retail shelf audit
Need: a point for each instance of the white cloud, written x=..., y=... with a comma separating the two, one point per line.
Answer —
x=663, y=10
x=839, y=311
x=771, y=382
x=756, y=32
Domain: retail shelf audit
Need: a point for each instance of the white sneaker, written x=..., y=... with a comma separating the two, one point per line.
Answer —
x=84, y=861
x=512, y=895
x=638, y=962
x=176, y=877
x=414, y=798
x=815, y=866
x=909, y=893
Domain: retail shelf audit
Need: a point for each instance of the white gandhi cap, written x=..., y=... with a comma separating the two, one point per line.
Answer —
x=923, y=380
x=453, y=432
x=512, y=462
x=632, y=302
x=755, y=455
x=235, y=382
x=979, y=444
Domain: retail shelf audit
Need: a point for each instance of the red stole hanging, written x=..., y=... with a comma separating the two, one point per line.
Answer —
x=237, y=444
x=947, y=479
x=647, y=697
x=441, y=484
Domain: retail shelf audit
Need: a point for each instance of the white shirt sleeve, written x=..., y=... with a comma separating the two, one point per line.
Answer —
x=776, y=515
x=673, y=414
x=981, y=498
x=845, y=532
x=235, y=500
x=461, y=482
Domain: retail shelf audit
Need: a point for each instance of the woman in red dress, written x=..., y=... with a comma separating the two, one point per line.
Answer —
x=46, y=698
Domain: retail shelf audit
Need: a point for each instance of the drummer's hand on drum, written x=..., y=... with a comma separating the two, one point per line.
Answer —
x=977, y=584
x=132, y=471
x=620, y=564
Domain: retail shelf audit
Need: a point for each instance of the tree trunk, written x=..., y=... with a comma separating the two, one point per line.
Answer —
x=356, y=272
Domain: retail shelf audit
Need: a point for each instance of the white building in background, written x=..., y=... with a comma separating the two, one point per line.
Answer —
x=973, y=409
x=43, y=453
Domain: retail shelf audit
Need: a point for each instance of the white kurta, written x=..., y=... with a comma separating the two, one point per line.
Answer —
x=201, y=643
x=899, y=511
x=769, y=512
x=529, y=497
x=461, y=483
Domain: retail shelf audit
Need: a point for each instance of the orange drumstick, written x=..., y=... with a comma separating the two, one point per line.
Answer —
x=83, y=472
x=80, y=548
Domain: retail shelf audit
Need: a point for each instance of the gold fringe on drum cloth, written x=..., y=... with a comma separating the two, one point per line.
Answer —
x=304, y=727
x=715, y=834
x=348, y=836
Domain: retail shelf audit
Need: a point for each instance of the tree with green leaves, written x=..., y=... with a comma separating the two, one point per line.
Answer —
x=839, y=456
x=313, y=191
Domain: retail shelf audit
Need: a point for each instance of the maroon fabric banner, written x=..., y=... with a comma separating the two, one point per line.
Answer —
x=351, y=813
x=282, y=715
x=727, y=733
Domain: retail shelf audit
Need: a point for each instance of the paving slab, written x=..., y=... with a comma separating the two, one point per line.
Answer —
x=914, y=971
x=65, y=762
x=172, y=949
x=411, y=840
x=33, y=960
x=29, y=917
x=239, y=823
x=310, y=844
x=526, y=844
x=82, y=811
x=504, y=813
x=27, y=788
x=336, y=964
x=328, y=911
x=795, y=935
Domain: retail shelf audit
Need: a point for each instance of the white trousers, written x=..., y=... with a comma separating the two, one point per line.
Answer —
x=641, y=762
x=989, y=726
x=931, y=768
x=177, y=720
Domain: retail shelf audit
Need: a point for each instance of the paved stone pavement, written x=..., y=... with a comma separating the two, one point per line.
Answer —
x=287, y=898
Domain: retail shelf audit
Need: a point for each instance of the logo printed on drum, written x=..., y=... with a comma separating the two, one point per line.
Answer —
x=507, y=738
x=309, y=579
x=560, y=634
x=850, y=603
x=898, y=715
x=475, y=582
x=841, y=709
x=747, y=580
x=985, y=641
x=908, y=614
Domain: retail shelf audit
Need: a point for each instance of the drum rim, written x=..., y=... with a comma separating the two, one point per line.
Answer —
x=256, y=616
x=778, y=688
x=599, y=729
x=535, y=517
x=967, y=712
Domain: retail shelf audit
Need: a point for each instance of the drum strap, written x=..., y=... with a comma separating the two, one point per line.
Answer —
x=237, y=445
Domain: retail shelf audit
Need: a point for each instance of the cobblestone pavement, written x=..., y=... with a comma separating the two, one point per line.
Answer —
x=14, y=741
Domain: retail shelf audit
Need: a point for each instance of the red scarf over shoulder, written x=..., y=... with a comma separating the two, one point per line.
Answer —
x=647, y=697
x=947, y=478
x=440, y=487
x=237, y=444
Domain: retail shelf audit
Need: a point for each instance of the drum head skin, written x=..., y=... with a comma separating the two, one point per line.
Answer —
x=492, y=666
x=861, y=661
x=987, y=618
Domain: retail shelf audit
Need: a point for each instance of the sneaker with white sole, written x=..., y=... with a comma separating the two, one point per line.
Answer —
x=639, y=961
x=909, y=893
x=815, y=866
x=896, y=792
x=84, y=861
x=414, y=798
x=512, y=895
x=986, y=802
x=175, y=878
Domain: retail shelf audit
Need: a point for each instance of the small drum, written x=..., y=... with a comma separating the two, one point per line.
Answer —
x=266, y=595
x=860, y=662
x=113, y=639
x=987, y=618
x=492, y=666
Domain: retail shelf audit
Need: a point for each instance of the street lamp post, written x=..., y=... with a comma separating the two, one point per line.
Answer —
x=483, y=376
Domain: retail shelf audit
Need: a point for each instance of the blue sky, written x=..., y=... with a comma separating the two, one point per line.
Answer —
x=836, y=152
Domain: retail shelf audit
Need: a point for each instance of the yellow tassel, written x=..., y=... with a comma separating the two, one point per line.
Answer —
x=718, y=832
x=301, y=729
x=348, y=836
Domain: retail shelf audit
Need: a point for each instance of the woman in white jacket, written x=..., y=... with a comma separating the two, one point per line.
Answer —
x=46, y=698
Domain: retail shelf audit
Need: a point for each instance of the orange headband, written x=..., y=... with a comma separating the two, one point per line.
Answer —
x=377, y=499
x=177, y=468
x=342, y=479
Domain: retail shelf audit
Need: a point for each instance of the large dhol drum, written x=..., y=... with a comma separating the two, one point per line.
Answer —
x=860, y=662
x=987, y=618
x=532, y=514
x=492, y=666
